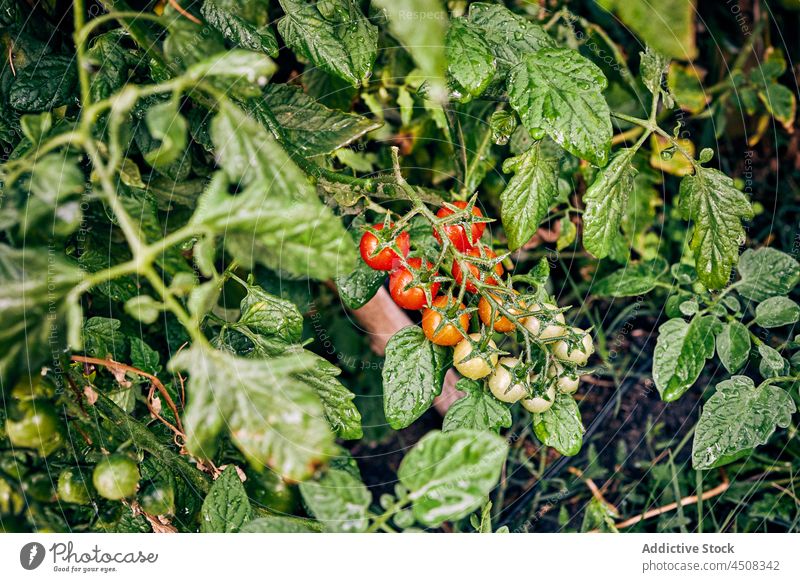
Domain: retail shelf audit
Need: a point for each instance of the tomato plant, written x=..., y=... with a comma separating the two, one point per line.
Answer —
x=204, y=205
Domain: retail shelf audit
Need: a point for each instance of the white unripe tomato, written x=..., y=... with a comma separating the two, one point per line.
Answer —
x=566, y=382
x=475, y=367
x=578, y=355
x=551, y=330
x=540, y=403
x=500, y=382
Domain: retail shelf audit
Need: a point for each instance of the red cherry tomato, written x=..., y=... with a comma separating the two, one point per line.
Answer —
x=456, y=232
x=410, y=297
x=379, y=256
x=479, y=273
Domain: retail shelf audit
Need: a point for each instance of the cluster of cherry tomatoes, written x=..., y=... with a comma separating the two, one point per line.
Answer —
x=414, y=284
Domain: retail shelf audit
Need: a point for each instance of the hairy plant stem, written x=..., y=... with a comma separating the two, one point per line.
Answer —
x=380, y=521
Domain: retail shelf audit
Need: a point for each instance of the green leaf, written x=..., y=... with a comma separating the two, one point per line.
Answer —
x=668, y=25
x=34, y=284
x=469, y=56
x=509, y=35
x=43, y=85
x=269, y=315
x=102, y=338
x=303, y=237
x=55, y=178
x=420, y=26
x=248, y=66
x=599, y=516
x=606, y=202
x=144, y=308
x=559, y=92
x=278, y=219
x=568, y=233
x=631, y=280
x=717, y=208
x=111, y=63
x=681, y=352
x=248, y=153
x=339, y=500
x=360, y=285
x=528, y=196
x=280, y=524
x=188, y=43
x=245, y=24
x=449, y=475
x=777, y=311
x=772, y=363
x=226, y=507
x=412, y=376
x=478, y=410
x=767, y=272
x=733, y=346
x=560, y=426
x=274, y=418
x=143, y=356
x=337, y=401
x=737, y=418
x=313, y=128
x=781, y=103
x=481, y=156
x=653, y=67
x=503, y=124
x=165, y=123
x=685, y=83
x=342, y=43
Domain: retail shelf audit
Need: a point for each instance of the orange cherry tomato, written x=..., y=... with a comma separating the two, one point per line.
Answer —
x=501, y=323
x=445, y=334
x=480, y=252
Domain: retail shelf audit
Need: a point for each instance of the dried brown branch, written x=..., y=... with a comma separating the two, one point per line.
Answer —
x=155, y=383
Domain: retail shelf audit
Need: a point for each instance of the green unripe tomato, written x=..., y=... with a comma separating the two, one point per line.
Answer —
x=116, y=477
x=39, y=428
x=39, y=487
x=73, y=487
x=158, y=499
x=11, y=502
x=31, y=389
x=269, y=490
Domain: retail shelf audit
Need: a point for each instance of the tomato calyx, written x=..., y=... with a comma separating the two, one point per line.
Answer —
x=483, y=266
x=493, y=307
x=484, y=348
